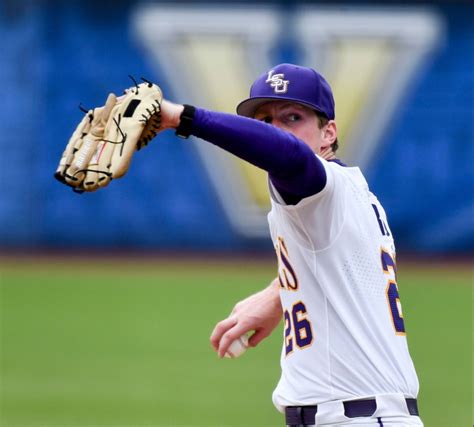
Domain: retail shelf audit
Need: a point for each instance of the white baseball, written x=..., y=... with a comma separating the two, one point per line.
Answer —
x=238, y=347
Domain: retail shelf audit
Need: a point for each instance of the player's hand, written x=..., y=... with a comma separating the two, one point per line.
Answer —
x=260, y=313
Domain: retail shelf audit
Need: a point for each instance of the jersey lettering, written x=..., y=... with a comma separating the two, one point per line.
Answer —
x=286, y=273
x=382, y=224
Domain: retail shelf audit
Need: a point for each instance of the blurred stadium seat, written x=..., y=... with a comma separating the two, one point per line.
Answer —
x=58, y=54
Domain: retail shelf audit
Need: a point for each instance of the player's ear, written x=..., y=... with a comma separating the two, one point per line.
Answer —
x=329, y=134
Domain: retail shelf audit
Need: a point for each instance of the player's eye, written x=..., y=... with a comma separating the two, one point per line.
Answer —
x=294, y=117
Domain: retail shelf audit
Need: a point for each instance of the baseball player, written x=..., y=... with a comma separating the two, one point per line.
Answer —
x=344, y=358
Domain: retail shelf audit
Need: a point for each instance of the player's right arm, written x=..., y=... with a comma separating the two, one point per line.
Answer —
x=260, y=312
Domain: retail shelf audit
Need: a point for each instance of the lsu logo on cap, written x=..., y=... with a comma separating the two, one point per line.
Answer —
x=277, y=83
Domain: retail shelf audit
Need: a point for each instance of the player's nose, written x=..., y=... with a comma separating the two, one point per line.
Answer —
x=277, y=123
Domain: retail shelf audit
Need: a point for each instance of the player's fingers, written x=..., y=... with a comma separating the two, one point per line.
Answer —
x=258, y=336
x=221, y=328
x=232, y=334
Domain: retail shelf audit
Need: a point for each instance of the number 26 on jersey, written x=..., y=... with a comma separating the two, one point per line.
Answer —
x=393, y=298
x=298, y=330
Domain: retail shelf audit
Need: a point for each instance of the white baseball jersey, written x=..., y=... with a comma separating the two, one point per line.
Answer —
x=344, y=334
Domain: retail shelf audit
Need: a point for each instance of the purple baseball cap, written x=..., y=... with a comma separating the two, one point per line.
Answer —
x=289, y=82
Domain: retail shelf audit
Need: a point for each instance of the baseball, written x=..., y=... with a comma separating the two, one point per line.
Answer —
x=238, y=347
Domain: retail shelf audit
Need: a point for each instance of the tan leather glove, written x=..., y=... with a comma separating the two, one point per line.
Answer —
x=102, y=146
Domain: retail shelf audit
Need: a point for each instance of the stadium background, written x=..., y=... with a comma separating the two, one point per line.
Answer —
x=119, y=338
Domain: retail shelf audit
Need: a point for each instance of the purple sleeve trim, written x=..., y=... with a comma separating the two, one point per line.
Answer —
x=294, y=169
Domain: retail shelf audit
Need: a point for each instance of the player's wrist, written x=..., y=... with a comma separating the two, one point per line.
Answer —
x=170, y=114
x=273, y=294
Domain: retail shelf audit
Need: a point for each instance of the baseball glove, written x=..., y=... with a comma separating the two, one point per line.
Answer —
x=102, y=146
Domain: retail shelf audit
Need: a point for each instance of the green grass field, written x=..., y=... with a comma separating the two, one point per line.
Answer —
x=126, y=343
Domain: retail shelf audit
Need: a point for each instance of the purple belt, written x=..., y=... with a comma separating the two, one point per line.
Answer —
x=305, y=415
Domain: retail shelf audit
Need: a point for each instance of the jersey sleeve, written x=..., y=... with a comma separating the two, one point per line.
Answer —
x=317, y=220
x=293, y=168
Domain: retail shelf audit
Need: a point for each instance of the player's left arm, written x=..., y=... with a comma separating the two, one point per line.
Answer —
x=294, y=169
x=102, y=146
